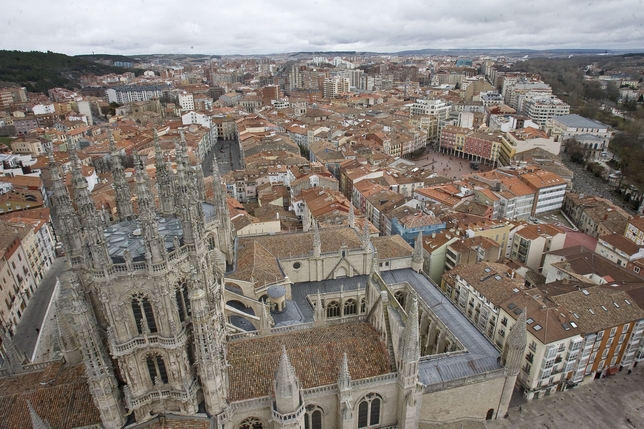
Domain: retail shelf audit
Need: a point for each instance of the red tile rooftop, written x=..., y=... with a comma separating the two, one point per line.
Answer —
x=316, y=355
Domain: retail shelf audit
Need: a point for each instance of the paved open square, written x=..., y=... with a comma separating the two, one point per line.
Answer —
x=615, y=402
x=445, y=165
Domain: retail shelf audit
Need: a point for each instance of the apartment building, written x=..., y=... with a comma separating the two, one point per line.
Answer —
x=186, y=101
x=598, y=216
x=620, y=250
x=473, y=145
x=129, y=94
x=531, y=242
x=549, y=190
x=335, y=86
x=435, y=252
x=554, y=342
x=543, y=108
x=18, y=281
x=470, y=251
x=478, y=291
x=634, y=230
x=611, y=323
x=524, y=139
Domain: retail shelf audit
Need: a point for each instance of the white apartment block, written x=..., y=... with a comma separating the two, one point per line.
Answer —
x=336, y=86
x=437, y=108
x=541, y=109
x=186, y=101
x=129, y=94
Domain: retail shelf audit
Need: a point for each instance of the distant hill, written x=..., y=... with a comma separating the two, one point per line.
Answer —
x=41, y=71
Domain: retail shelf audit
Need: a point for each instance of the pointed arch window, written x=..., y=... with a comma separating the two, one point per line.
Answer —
x=183, y=301
x=369, y=411
x=333, y=309
x=350, y=307
x=142, y=310
x=156, y=368
x=313, y=417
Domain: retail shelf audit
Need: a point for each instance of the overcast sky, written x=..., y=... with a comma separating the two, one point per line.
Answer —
x=277, y=26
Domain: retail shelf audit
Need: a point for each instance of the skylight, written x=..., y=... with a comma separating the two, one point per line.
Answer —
x=537, y=327
x=591, y=311
x=573, y=324
x=529, y=321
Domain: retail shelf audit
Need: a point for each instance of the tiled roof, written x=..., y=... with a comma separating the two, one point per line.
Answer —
x=315, y=354
x=543, y=314
x=620, y=242
x=59, y=394
x=490, y=279
x=257, y=257
x=391, y=246
x=598, y=308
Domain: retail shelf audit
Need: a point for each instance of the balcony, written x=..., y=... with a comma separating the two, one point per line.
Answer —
x=144, y=341
x=163, y=392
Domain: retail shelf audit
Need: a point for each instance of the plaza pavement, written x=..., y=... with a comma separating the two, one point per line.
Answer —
x=599, y=404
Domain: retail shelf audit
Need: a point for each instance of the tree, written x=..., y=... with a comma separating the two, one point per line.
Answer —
x=612, y=92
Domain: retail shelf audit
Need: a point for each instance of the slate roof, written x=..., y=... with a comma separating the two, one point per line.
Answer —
x=480, y=356
x=316, y=355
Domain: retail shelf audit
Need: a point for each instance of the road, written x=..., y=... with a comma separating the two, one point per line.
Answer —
x=228, y=157
x=31, y=324
x=587, y=183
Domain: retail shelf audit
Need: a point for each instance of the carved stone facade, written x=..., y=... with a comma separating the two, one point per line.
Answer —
x=151, y=292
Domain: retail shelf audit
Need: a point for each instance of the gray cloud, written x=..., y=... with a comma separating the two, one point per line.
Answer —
x=260, y=26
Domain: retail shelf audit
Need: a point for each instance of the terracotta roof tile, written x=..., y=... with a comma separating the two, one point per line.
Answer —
x=59, y=394
x=315, y=354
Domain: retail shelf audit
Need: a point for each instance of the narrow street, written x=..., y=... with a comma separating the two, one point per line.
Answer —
x=32, y=326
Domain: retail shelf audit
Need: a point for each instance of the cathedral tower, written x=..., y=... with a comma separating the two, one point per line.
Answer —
x=150, y=292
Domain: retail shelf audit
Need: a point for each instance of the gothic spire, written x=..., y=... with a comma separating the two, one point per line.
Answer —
x=208, y=348
x=90, y=218
x=417, y=256
x=317, y=242
x=147, y=216
x=286, y=385
x=265, y=320
x=200, y=185
x=98, y=366
x=515, y=343
x=121, y=187
x=70, y=229
x=221, y=205
x=36, y=421
x=344, y=378
x=366, y=234
x=375, y=264
x=410, y=339
x=165, y=181
x=319, y=314
x=352, y=218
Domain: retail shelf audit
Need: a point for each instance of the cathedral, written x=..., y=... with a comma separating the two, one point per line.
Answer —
x=175, y=320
